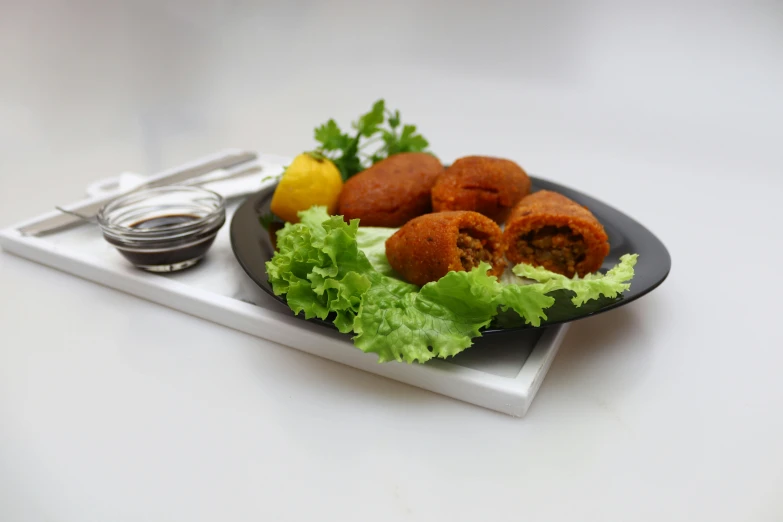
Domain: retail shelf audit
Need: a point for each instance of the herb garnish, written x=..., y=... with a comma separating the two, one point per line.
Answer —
x=379, y=128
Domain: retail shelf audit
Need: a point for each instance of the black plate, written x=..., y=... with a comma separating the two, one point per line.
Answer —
x=253, y=248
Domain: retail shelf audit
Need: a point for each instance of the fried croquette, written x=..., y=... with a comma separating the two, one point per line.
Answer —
x=430, y=246
x=547, y=229
x=489, y=186
x=391, y=192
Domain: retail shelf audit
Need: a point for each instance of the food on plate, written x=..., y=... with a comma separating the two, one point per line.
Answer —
x=309, y=180
x=489, y=186
x=348, y=150
x=391, y=192
x=362, y=249
x=430, y=246
x=549, y=230
x=327, y=269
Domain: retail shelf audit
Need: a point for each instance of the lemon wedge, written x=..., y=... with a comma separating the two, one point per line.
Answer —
x=309, y=180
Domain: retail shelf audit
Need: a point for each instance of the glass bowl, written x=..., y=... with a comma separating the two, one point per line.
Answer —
x=163, y=229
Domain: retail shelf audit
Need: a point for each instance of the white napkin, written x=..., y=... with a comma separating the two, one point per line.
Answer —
x=230, y=188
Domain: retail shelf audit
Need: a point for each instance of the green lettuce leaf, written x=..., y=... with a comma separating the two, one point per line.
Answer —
x=399, y=323
x=331, y=269
x=372, y=241
x=320, y=268
x=529, y=301
x=592, y=286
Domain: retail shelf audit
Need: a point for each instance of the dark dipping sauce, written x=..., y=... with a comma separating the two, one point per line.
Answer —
x=167, y=253
x=164, y=221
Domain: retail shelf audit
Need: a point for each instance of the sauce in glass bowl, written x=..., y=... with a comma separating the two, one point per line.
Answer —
x=164, y=229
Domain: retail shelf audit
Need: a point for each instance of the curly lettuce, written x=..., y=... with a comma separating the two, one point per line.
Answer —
x=398, y=321
x=592, y=286
x=335, y=270
x=320, y=269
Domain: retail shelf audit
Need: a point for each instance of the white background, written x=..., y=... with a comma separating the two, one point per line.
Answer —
x=113, y=408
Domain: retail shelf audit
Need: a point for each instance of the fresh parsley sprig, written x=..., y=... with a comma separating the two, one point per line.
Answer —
x=377, y=131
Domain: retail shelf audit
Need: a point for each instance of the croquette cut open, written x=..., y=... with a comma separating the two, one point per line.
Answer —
x=430, y=246
x=547, y=229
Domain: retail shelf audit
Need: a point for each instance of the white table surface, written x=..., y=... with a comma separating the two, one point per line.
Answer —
x=112, y=408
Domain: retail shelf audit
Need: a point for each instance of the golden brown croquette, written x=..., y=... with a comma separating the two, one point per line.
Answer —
x=547, y=229
x=489, y=186
x=430, y=246
x=391, y=192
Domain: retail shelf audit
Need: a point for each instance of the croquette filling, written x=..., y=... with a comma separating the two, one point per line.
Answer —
x=472, y=250
x=553, y=247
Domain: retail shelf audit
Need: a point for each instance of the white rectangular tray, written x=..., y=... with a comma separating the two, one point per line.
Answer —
x=502, y=373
